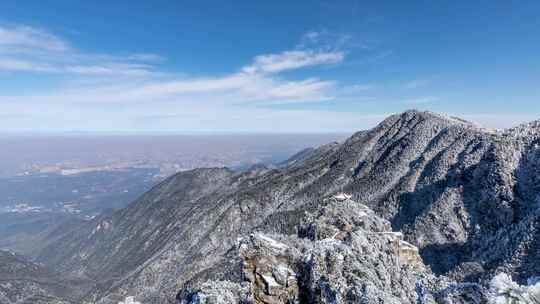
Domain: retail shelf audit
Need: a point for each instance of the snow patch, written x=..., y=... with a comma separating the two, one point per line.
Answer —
x=342, y=196
x=272, y=242
x=129, y=300
x=407, y=246
x=270, y=281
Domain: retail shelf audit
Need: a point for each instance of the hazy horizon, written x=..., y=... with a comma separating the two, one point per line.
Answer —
x=482, y=120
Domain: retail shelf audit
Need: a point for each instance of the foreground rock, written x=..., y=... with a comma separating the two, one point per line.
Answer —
x=342, y=253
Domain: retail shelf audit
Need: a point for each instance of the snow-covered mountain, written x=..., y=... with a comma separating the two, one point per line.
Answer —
x=466, y=198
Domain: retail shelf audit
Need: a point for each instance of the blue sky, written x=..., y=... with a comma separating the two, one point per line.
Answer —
x=264, y=66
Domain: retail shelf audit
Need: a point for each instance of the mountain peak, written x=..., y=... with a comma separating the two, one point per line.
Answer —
x=429, y=115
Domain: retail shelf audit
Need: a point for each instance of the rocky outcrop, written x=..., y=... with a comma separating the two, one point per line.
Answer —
x=342, y=253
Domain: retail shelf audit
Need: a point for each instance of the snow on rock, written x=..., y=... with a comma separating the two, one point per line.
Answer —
x=505, y=291
x=129, y=300
x=271, y=242
x=342, y=196
x=102, y=226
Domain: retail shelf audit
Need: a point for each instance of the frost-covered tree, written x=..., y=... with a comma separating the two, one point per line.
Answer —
x=505, y=291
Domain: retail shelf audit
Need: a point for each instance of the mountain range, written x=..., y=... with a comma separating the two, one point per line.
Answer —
x=423, y=208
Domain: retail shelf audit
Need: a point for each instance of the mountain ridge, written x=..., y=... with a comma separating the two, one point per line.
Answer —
x=451, y=187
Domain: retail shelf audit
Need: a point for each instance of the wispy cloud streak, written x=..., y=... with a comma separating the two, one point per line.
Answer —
x=29, y=49
x=274, y=63
x=136, y=77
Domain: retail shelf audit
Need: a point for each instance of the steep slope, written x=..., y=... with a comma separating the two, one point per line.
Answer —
x=298, y=158
x=22, y=281
x=466, y=197
x=27, y=233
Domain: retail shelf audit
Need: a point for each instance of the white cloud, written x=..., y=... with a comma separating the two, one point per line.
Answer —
x=268, y=90
x=112, y=92
x=29, y=49
x=312, y=36
x=145, y=57
x=294, y=89
x=274, y=63
x=374, y=58
x=414, y=84
x=24, y=37
x=135, y=78
x=237, y=88
x=103, y=69
x=100, y=84
x=110, y=69
x=355, y=88
x=9, y=64
x=420, y=100
x=325, y=40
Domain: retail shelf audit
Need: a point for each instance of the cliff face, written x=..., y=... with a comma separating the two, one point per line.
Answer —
x=468, y=199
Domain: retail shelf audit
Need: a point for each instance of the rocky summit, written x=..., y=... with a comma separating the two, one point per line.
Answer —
x=423, y=208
